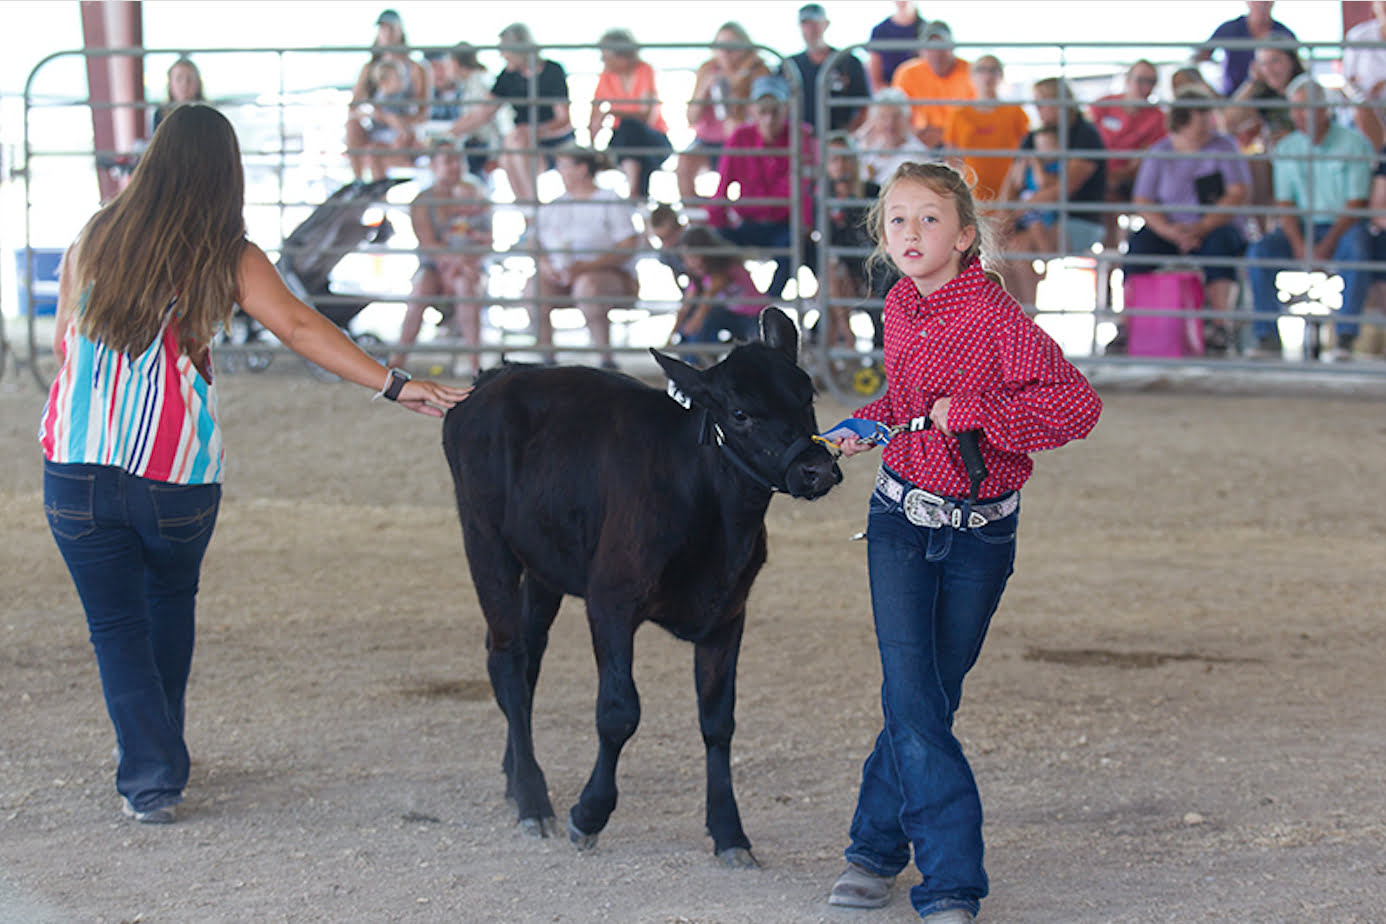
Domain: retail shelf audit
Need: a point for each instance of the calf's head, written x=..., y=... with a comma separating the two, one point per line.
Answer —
x=759, y=407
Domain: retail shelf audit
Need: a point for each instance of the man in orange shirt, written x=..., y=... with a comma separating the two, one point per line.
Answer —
x=987, y=125
x=937, y=74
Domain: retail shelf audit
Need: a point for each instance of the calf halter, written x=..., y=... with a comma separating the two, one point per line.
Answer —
x=709, y=431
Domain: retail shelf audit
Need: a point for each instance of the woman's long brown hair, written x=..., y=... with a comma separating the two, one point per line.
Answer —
x=176, y=229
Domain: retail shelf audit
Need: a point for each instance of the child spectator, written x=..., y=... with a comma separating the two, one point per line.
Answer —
x=721, y=295
x=885, y=140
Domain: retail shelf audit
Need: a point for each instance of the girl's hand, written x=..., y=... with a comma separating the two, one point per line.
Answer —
x=850, y=446
x=939, y=415
x=429, y=398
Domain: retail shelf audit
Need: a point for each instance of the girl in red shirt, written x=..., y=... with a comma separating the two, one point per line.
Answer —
x=960, y=355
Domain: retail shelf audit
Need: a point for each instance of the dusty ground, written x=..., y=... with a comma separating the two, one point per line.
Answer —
x=1177, y=716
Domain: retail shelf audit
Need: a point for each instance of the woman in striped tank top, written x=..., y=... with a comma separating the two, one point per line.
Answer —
x=133, y=454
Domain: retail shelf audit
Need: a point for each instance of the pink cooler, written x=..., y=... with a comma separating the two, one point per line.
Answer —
x=1164, y=335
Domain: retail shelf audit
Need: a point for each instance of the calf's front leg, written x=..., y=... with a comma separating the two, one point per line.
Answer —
x=714, y=673
x=618, y=714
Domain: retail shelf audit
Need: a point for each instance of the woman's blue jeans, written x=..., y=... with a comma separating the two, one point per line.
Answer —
x=933, y=592
x=134, y=549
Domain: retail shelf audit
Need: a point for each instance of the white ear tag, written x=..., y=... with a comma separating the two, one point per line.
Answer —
x=678, y=396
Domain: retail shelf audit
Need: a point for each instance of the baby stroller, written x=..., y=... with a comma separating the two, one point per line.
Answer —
x=310, y=252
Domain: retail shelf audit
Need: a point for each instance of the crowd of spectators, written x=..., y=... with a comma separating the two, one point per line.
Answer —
x=1196, y=173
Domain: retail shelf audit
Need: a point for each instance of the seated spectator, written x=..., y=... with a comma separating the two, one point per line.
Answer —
x=627, y=97
x=184, y=86
x=1259, y=103
x=903, y=25
x=719, y=104
x=721, y=297
x=1171, y=194
x=937, y=74
x=1364, y=74
x=850, y=280
x=368, y=134
x=442, y=98
x=452, y=222
x=1041, y=184
x=765, y=176
x=393, y=115
x=1236, y=62
x=1322, y=173
x=472, y=86
x=1127, y=121
x=542, y=116
x=667, y=225
x=885, y=140
x=986, y=125
x=1086, y=182
x=1191, y=78
x=1258, y=117
x=846, y=82
x=587, y=241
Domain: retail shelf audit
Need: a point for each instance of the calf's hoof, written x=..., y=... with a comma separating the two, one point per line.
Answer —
x=580, y=839
x=738, y=858
x=539, y=827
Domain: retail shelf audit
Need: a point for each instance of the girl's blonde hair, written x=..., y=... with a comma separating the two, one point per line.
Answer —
x=945, y=181
x=176, y=230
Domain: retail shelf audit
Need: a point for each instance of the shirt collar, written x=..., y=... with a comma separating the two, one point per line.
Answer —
x=948, y=296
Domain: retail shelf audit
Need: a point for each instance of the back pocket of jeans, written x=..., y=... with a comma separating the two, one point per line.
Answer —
x=69, y=503
x=185, y=513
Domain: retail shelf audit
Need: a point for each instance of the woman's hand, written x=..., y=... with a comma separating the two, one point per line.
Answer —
x=430, y=398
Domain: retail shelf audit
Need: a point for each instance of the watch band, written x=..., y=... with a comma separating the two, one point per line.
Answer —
x=395, y=384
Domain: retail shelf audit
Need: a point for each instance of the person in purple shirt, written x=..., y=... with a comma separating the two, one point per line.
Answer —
x=904, y=25
x=1256, y=24
x=1181, y=201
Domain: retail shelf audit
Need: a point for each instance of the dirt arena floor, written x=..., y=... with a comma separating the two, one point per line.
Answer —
x=1179, y=715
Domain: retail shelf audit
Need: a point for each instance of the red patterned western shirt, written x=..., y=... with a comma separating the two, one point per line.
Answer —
x=971, y=341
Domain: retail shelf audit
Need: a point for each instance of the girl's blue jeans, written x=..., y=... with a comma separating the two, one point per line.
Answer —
x=134, y=549
x=933, y=592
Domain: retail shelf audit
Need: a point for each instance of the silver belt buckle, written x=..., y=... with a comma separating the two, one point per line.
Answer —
x=923, y=509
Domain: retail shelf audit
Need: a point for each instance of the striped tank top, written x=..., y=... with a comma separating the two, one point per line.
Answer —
x=153, y=415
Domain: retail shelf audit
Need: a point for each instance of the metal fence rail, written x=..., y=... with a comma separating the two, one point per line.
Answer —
x=291, y=130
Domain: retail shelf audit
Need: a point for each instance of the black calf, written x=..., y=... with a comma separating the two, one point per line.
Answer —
x=589, y=483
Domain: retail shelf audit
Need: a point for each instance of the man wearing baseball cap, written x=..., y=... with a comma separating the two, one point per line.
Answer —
x=937, y=74
x=847, y=78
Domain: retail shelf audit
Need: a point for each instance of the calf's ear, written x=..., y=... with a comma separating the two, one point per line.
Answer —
x=685, y=378
x=778, y=331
